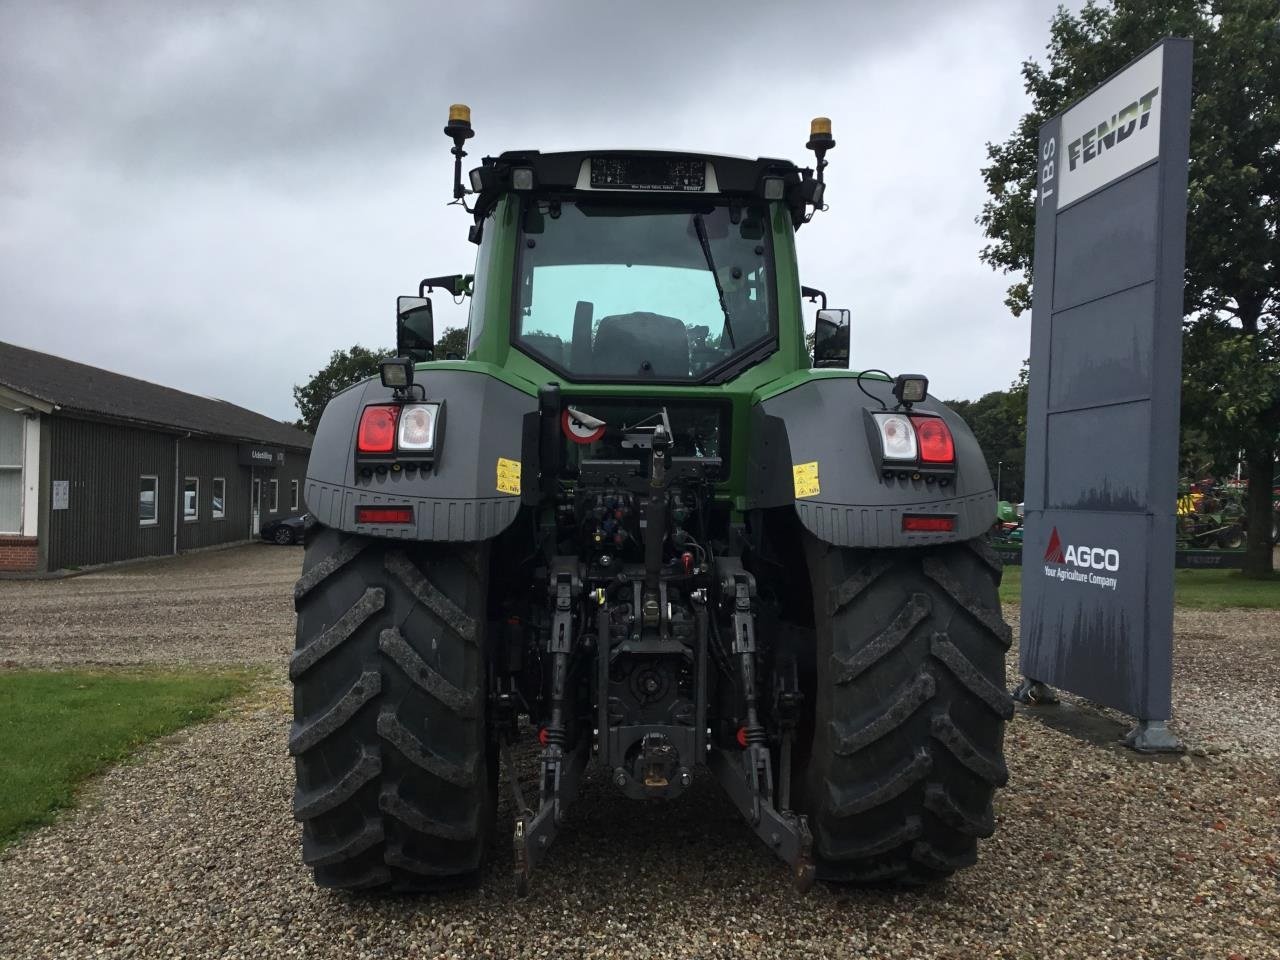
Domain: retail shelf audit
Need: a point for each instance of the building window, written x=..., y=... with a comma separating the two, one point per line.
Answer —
x=275, y=496
x=148, y=488
x=11, y=430
x=190, y=498
x=219, y=498
x=293, y=495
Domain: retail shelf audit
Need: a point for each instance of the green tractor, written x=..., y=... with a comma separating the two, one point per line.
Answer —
x=641, y=530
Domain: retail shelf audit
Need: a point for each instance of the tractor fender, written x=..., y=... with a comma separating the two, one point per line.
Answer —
x=822, y=421
x=459, y=498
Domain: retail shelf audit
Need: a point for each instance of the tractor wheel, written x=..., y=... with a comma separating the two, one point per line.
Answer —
x=907, y=731
x=1231, y=538
x=396, y=778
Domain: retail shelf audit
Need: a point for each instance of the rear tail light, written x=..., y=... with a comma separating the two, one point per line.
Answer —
x=897, y=438
x=931, y=524
x=936, y=445
x=384, y=514
x=377, y=433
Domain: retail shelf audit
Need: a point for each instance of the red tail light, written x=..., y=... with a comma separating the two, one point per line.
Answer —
x=378, y=429
x=384, y=514
x=936, y=445
x=932, y=524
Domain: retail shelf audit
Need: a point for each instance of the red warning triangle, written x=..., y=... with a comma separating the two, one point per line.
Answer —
x=1053, y=553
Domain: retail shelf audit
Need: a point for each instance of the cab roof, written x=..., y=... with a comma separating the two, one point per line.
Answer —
x=635, y=172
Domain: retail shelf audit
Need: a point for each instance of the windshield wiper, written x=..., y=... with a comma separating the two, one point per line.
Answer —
x=700, y=228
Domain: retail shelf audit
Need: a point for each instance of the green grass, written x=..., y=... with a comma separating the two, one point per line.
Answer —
x=1197, y=589
x=59, y=727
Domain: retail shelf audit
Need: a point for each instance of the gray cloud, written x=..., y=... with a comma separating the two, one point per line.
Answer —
x=217, y=196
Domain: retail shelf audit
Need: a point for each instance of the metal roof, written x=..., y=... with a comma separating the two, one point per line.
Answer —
x=77, y=388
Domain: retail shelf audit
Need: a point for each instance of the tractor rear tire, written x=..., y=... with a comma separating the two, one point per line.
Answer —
x=909, y=713
x=396, y=776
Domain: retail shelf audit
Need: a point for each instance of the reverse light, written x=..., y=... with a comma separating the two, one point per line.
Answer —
x=934, y=436
x=384, y=514
x=928, y=524
x=417, y=430
x=897, y=437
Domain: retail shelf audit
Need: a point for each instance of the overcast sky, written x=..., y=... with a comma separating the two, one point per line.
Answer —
x=216, y=196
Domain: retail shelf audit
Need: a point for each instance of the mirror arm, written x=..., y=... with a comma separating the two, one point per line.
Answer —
x=454, y=283
x=813, y=294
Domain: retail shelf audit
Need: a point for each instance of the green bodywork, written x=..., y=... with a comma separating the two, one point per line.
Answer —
x=491, y=352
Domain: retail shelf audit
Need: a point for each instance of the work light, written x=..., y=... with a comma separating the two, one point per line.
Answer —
x=909, y=388
x=396, y=372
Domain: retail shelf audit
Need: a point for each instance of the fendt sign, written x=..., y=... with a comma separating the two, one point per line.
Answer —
x=1112, y=131
x=1102, y=408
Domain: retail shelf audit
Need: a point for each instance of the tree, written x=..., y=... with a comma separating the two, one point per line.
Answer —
x=452, y=343
x=344, y=368
x=1231, y=344
x=999, y=423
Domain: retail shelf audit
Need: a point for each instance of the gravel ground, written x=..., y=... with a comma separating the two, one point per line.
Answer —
x=218, y=606
x=190, y=850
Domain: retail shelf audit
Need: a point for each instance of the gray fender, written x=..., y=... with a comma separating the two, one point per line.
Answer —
x=459, y=498
x=822, y=421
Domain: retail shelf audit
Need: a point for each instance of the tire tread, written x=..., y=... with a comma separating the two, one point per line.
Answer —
x=396, y=788
x=908, y=729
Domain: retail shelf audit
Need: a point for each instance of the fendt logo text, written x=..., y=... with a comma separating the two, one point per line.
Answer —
x=1107, y=134
x=1067, y=564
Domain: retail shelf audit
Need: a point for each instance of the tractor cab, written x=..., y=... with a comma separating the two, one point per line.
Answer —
x=633, y=267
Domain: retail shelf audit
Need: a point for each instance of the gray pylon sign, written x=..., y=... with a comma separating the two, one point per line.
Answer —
x=1102, y=410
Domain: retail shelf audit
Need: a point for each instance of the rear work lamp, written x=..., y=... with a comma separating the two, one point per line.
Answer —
x=396, y=372
x=522, y=178
x=775, y=188
x=909, y=388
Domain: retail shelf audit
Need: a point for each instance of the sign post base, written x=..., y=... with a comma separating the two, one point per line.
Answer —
x=1153, y=736
x=1035, y=693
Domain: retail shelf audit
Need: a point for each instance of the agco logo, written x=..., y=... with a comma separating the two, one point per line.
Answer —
x=1095, y=558
x=1077, y=563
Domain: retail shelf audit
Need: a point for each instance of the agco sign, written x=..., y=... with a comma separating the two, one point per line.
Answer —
x=1071, y=562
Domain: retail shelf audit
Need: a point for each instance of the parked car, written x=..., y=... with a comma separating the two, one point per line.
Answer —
x=287, y=530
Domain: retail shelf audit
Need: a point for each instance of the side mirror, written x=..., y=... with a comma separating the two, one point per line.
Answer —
x=831, y=339
x=415, y=331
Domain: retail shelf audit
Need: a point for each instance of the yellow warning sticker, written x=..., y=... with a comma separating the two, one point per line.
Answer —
x=508, y=476
x=805, y=476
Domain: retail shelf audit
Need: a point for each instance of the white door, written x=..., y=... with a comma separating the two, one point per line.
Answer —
x=255, y=502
